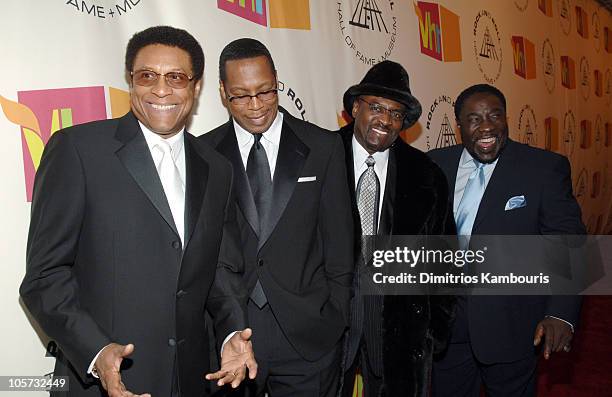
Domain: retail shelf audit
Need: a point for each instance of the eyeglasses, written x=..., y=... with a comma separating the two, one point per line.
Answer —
x=262, y=96
x=147, y=78
x=379, y=109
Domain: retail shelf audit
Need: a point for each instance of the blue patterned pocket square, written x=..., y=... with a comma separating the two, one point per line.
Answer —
x=515, y=202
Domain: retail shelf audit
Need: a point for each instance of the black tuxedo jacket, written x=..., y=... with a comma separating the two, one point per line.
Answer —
x=105, y=263
x=501, y=328
x=411, y=328
x=303, y=257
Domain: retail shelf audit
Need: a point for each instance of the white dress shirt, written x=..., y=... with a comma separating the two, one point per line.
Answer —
x=177, y=146
x=270, y=141
x=380, y=168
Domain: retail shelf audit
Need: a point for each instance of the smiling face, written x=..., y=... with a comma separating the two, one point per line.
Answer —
x=248, y=77
x=483, y=126
x=375, y=132
x=161, y=108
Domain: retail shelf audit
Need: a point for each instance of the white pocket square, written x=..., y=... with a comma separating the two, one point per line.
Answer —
x=307, y=179
x=515, y=202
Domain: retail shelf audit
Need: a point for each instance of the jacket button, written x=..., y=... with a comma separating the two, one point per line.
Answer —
x=176, y=245
x=171, y=342
x=417, y=354
x=417, y=308
x=181, y=293
x=260, y=262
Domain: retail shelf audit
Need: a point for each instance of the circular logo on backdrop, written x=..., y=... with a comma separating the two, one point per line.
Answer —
x=565, y=16
x=440, y=125
x=521, y=5
x=373, y=18
x=548, y=65
x=569, y=133
x=581, y=190
x=585, y=78
x=527, y=126
x=289, y=98
x=596, y=30
x=487, y=46
x=598, y=134
x=103, y=9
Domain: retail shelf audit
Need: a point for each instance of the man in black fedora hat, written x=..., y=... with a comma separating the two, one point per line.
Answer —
x=396, y=190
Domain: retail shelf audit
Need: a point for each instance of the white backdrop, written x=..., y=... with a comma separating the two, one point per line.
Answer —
x=70, y=46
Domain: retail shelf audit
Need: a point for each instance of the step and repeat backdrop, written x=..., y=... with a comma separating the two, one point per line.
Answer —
x=62, y=64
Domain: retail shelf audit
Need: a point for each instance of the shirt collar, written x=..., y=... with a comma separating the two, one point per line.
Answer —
x=360, y=155
x=272, y=135
x=176, y=142
x=467, y=161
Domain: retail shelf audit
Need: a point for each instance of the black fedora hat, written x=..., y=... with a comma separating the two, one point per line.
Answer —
x=386, y=79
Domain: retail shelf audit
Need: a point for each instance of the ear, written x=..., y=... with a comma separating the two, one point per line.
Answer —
x=222, y=91
x=198, y=87
x=355, y=108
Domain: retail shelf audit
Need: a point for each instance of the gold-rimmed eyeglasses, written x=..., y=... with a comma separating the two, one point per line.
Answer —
x=379, y=109
x=147, y=78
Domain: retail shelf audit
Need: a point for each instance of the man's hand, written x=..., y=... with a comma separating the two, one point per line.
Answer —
x=558, y=336
x=107, y=368
x=237, y=356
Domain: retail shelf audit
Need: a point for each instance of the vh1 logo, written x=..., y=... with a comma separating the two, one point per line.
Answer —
x=582, y=22
x=439, y=32
x=546, y=7
x=523, y=52
x=598, y=77
x=41, y=113
x=551, y=134
x=586, y=134
x=568, y=72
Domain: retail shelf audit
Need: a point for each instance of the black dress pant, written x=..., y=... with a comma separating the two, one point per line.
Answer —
x=282, y=372
x=372, y=382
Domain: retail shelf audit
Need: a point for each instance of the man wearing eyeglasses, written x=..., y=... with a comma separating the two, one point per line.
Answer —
x=133, y=234
x=395, y=190
x=296, y=228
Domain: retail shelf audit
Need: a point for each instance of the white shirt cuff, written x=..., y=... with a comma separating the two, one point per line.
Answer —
x=93, y=362
x=227, y=338
x=567, y=322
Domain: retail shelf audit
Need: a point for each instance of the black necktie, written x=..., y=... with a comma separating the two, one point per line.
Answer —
x=260, y=180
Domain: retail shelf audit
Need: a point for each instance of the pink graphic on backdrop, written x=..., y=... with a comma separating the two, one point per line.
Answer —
x=252, y=10
x=55, y=109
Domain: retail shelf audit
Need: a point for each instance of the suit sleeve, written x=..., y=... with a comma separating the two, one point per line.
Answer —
x=336, y=227
x=228, y=296
x=50, y=289
x=560, y=215
x=442, y=306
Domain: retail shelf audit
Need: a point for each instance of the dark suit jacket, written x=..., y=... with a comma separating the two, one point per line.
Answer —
x=304, y=255
x=501, y=328
x=105, y=263
x=411, y=328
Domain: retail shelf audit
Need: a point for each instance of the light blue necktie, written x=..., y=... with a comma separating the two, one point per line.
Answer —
x=470, y=201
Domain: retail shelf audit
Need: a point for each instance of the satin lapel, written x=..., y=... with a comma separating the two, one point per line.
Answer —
x=228, y=146
x=385, y=226
x=292, y=154
x=136, y=158
x=450, y=170
x=497, y=186
x=197, y=178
